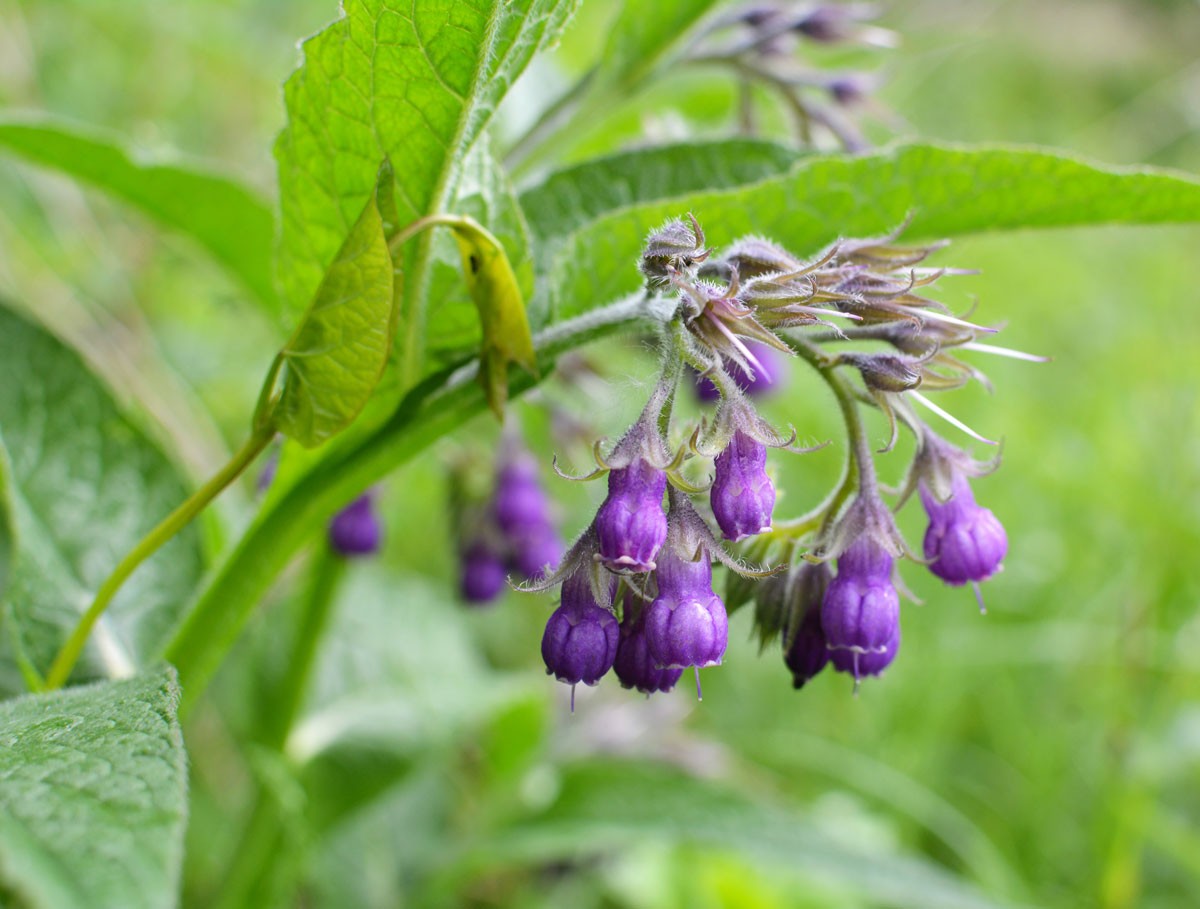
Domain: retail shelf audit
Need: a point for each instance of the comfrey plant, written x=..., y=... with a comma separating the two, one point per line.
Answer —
x=721, y=315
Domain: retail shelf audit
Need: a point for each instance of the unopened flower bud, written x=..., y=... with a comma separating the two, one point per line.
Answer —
x=686, y=625
x=804, y=648
x=884, y=371
x=634, y=665
x=964, y=541
x=580, y=642
x=630, y=524
x=742, y=494
x=861, y=610
x=482, y=574
x=677, y=245
x=355, y=530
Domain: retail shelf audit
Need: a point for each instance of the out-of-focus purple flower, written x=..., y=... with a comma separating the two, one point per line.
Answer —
x=483, y=574
x=863, y=664
x=861, y=610
x=765, y=380
x=964, y=541
x=267, y=475
x=634, y=666
x=523, y=514
x=580, y=642
x=356, y=530
x=686, y=625
x=742, y=494
x=805, y=651
x=630, y=524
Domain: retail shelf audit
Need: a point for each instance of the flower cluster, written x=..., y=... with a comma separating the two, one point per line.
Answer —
x=637, y=585
x=514, y=531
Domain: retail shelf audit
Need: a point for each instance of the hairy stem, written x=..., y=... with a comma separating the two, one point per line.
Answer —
x=65, y=661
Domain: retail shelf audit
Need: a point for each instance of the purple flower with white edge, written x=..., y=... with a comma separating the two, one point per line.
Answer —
x=634, y=666
x=804, y=649
x=742, y=494
x=580, y=641
x=356, y=530
x=964, y=541
x=686, y=624
x=860, y=611
x=630, y=524
x=482, y=574
x=864, y=664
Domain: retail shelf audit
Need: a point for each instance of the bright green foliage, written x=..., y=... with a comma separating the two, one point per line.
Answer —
x=93, y=796
x=569, y=199
x=614, y=804
x=946, y=191
x=336, y=356
x=7, y=531
x=416, y=82
x=87, y=484
x=225, y=218
x=644, y=40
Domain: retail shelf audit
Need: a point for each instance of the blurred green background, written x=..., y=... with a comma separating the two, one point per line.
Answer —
x=1049, y=752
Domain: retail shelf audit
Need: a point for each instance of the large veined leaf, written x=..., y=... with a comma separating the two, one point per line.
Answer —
x=570, y=198
x=617, y=805
x=229, y=221
x=416, y=82
x=87, y=484
x=93, y=796
x=336, y=356
x=944, y=190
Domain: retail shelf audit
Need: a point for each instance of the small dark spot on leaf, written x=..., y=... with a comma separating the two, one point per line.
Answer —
x=474, y=262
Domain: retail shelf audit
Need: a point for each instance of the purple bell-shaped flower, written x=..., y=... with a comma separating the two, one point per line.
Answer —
x=760, y=383
x=742, y=494
x=964, y=541
x=580, y=642
x=861, y=609
x=686, y=625
x=634, y=666
x=523, y=514
x=356, y=530
x=630, y=524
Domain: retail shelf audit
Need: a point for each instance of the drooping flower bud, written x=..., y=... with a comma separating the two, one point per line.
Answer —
x=580, y=642
x=885, y=371
x=742, y=494
x=686, y=625
x=863, y=664
x=630, y=524
x=964, y=541
x=634, y=665
x=804, y=649
x=355, y=530
x=861, y=609
x=759, y=384
x=482, y=574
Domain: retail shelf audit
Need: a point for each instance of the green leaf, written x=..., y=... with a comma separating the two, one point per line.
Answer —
x=605, y=807
x=946, y=191
x=337, y=354
x=87, y=484
x=643, y=41
x=571, y=198
x=416, y=82
x=93, y=795
x=7, y=523
x=229, y=221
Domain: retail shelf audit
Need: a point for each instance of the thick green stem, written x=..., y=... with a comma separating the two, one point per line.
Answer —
x=327, y=570
x=430, y=410
x=65, y=661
